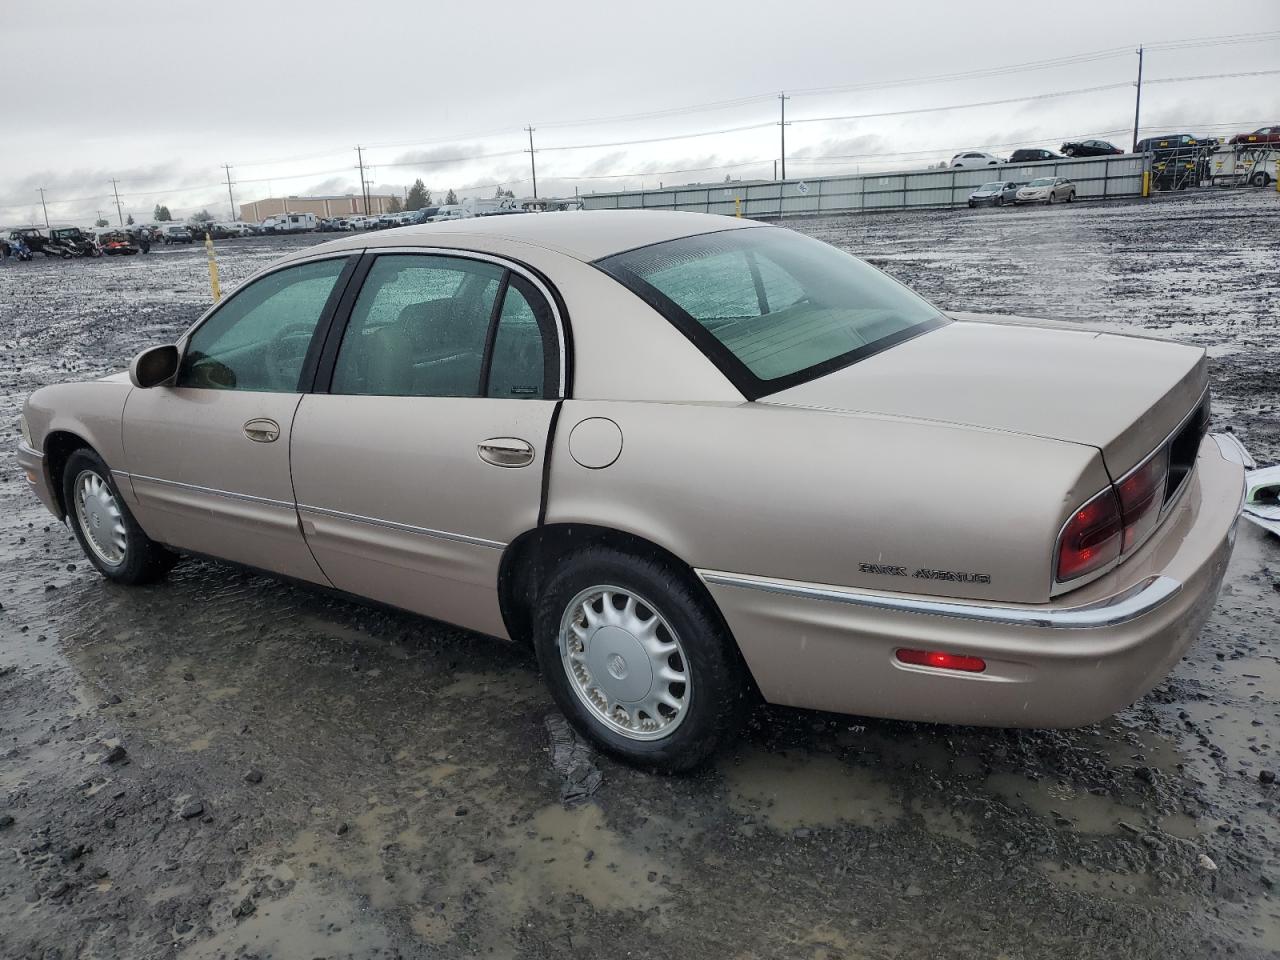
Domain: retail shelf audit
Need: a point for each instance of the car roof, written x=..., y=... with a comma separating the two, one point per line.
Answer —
x=585, y=235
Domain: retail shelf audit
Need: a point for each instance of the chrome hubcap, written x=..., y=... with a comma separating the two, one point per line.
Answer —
x=99, y=517
x=625, y=663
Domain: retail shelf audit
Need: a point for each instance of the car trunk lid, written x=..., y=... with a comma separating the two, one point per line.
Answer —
x=1123, y=395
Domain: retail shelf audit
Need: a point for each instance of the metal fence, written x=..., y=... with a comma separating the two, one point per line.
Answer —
x=1094, y=177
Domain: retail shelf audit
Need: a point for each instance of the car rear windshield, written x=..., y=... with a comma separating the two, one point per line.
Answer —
x=771, y=307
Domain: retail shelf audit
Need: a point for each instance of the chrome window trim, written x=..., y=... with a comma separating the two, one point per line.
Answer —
x=1123, y=607
x=468, y=254
x=403, y=527
x=212, y=491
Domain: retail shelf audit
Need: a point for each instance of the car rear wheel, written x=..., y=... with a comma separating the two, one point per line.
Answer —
x=639, y=660
x=1071, y=195
x=1260, y=179
x=107, y=531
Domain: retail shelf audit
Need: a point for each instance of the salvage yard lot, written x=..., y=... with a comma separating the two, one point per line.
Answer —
x=303, y=776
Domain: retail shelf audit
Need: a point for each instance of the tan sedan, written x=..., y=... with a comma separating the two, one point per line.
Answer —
x=688, y=458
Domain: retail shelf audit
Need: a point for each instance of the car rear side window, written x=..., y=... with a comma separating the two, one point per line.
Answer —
x=258, y=340
x=772, y=307
x=440, y=326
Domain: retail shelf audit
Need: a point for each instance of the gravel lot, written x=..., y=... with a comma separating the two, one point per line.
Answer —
x=302, y=776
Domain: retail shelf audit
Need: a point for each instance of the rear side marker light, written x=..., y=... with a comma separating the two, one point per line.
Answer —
x=1091, y=539
x=942, y=661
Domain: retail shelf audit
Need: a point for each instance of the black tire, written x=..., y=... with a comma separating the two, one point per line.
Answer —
x=719, y=691
x=1053, y=197
x=972, y=204
x=999, y=201
x=144, y=560
x=1260, y=179
x=1071, y=196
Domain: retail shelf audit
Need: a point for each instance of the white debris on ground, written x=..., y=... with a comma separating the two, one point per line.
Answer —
x=1262, y=498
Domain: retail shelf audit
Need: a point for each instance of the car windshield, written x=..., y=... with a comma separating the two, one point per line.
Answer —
x=990, y=187
x=1042, y=182
x=772, y=307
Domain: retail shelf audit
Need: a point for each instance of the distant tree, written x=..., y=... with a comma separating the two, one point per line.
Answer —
x=161, y=214
x=129, y=220
x=451, y=197
x=204, y=216
x=394, y=206
x=101, y=222
x=507, y=193
x=419, y=196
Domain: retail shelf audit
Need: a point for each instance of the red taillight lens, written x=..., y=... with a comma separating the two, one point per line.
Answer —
x=1091, y=538
x=943, y=661
x=1141, y=496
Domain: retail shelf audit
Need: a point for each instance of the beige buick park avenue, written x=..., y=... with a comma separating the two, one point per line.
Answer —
x=689, y=459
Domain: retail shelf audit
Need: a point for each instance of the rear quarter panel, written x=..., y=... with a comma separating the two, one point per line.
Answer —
x=829, y=497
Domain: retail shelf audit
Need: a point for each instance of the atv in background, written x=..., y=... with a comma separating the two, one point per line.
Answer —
x=34, y=239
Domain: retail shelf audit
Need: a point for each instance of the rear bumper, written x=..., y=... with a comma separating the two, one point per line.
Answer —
x=1061, y=664
x=33, y=468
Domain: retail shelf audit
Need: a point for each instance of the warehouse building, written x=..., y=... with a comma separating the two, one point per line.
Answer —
x=324, y=207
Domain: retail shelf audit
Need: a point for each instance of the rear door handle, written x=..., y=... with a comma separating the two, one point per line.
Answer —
x=262, y=430
x=506, y=452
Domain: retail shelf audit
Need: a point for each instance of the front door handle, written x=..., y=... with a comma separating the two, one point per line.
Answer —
x=262, y=430
x=506, y=452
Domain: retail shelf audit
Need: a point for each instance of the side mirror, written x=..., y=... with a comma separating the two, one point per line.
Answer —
x=154, y=366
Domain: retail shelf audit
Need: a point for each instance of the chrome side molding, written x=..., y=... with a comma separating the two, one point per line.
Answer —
x=1137, y=601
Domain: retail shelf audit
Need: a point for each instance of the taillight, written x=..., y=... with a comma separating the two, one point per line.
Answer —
x=1141, y=496
x=1092, y=537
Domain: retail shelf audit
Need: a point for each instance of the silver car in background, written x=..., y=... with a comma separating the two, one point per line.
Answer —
x=1047, y=190
x=994, y=194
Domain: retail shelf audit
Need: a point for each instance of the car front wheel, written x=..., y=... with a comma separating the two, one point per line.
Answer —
x=107, y=531
x=638, y=659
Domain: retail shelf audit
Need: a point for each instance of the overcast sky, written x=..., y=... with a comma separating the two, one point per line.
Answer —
x=159, y=94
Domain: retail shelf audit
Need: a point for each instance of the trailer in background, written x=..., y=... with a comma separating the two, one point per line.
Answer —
x=1238, y=164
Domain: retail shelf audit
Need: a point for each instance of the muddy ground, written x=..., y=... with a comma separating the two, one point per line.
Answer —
x=303, y=776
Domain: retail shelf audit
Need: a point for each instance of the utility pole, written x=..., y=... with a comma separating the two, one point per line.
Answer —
x=1137, y=106
x=115, y=188
x=533, y=167
x=364, y=196
x=782, y=125
x=43, y=207
x=230, y=196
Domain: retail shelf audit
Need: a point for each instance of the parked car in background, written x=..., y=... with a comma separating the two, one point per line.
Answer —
x=994, y=194
x=1090, y=148
x=1033, y=156
x=1047, y=190
x=172, y=233
x=1168, y=142
x=1261, y=135
x=449, y=211
x=974, y=159
x=720, y=549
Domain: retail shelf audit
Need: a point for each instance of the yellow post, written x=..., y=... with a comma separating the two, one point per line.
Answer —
x=213, y=268
x=1146, y=183
x=737, y=207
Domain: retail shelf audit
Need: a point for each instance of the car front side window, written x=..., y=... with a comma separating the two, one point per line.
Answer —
x=259, y=339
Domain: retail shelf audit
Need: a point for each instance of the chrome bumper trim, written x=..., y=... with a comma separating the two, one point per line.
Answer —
x=1131, y=604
